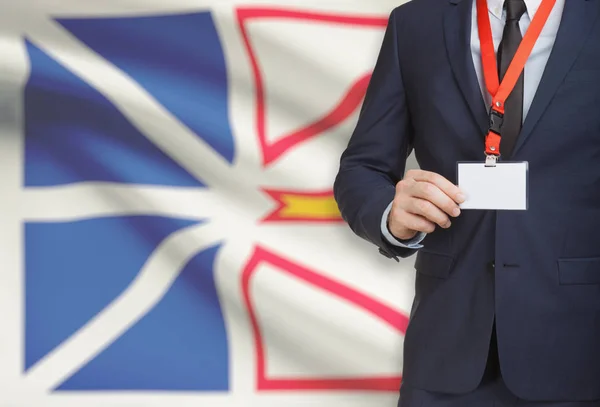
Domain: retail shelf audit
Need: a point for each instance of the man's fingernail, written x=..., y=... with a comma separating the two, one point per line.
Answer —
x=456, y=212
x=447, y=225
x=461, y=198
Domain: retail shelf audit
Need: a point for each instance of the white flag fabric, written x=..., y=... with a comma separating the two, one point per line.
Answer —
x=168, y=233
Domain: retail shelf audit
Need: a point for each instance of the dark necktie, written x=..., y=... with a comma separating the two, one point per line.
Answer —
x=513, y=107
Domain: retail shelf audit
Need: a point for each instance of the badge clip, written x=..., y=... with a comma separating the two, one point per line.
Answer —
x=490, y=160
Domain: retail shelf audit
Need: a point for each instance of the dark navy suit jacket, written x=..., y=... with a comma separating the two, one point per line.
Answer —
x=544, y=290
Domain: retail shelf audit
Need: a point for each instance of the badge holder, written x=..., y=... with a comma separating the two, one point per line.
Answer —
x=501, y=187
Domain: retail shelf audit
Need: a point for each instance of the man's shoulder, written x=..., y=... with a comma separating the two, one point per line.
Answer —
x=421, y=9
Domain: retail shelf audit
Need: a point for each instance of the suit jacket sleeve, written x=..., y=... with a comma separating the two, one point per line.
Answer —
x=375, y=158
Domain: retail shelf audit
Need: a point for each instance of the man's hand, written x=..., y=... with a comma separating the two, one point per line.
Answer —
x=423, y=200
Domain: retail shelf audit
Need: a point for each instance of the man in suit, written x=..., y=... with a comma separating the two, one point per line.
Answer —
x=507, y=303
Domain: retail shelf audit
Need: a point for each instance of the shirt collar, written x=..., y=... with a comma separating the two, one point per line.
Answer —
x=496, y=6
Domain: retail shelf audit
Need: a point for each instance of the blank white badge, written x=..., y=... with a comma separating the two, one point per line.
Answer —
x=503, y=187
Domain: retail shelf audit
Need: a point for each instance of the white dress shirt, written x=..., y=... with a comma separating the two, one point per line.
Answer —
x=534, y=68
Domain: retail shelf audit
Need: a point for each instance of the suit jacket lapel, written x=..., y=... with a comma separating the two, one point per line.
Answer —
x=577, y=21
x=457, y=33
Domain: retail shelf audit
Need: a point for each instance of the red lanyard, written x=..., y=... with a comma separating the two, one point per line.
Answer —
x=501, y=91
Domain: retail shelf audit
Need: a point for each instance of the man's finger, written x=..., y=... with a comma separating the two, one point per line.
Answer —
x=431, y=192
x=416, y=223
x=429, y=211
x=442, y=183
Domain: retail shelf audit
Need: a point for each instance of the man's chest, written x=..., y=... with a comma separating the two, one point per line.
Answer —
x=445, y=92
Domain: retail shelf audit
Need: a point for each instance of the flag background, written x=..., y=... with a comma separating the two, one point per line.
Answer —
x=168, y=233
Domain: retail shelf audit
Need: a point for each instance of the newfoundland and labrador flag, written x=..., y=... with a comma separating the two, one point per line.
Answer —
x=168, y=235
